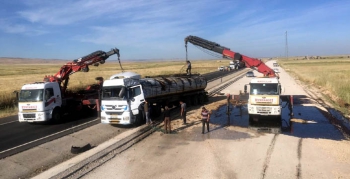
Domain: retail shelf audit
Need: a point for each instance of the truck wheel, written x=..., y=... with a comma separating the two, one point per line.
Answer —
x=56, y=116
x=158, y=110
x=251, y=122
x=279, y=121
x=206, y=98
x=188, y=102
x=139, y=119
x=195, y=100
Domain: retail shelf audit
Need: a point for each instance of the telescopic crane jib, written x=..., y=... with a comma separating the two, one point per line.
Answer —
x=227, y=53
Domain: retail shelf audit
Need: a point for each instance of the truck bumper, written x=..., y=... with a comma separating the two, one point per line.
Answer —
x=124, y=119
x=33, y=117
x=264, y=110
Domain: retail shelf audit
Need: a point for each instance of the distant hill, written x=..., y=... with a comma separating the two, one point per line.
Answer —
x=7, y=60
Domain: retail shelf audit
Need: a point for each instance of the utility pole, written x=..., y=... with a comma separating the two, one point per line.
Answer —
x=286, y=46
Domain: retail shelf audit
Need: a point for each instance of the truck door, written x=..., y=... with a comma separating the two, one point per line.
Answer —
x=49, y=100
x=57, y=95
x=136, y=98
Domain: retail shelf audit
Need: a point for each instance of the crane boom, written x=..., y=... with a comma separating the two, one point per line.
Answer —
x=227, y=53
x=81, y=64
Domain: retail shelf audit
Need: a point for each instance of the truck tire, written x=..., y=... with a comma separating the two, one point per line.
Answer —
x=195, y=100
x=279, y=120
x=139, y=119
x=157, y=110
x=251, y=121
x=56, y=116
x=201, y=99
x=188, y=101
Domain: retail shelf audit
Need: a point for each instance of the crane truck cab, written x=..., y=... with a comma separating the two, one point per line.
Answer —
x=39, y=102
x=264, y=103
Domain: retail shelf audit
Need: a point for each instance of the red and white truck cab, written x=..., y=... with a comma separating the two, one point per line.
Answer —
x=39, y=101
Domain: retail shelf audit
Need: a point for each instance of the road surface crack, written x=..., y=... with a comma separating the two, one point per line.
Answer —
x=268, y=156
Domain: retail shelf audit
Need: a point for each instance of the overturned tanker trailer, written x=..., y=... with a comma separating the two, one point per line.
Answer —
x=124, y=95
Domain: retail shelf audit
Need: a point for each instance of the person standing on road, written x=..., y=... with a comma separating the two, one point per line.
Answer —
x=146, y=109
x=188, y=70
x=167, y=120
x=183, y=111
x=205, y=118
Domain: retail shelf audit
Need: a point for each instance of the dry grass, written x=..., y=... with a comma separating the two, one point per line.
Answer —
x=13, y=75
x=329, y=75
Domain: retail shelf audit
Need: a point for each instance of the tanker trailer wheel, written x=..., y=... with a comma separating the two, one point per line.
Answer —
x=187, y=101
x=195, y=100
x=158, y=110
x=56, y=116
x=201, y=99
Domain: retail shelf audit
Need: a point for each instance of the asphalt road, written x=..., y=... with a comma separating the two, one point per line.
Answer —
x=14, y=134
x=57, y=143
x=308, y=150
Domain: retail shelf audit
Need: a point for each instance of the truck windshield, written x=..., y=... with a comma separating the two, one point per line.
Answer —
x=32, y=95
x=264, y=89
x=112, y=92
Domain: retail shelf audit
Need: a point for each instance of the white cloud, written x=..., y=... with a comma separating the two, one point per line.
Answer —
x=152, y=26
x=12, y=28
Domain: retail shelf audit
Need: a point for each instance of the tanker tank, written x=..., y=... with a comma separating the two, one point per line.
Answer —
x=159, y=86
x=124, y=95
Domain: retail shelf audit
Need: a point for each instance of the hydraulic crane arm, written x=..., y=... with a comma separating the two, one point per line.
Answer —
x=81, y=64
x=227, y=53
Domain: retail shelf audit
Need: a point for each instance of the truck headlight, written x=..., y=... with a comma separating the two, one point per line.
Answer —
x=103, y=117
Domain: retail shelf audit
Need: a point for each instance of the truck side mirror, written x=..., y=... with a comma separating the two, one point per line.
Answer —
x=281, y=89
x=245, y=88
x=122, y=92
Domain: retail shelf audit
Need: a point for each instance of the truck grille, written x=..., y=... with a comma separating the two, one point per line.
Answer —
x=29, y=116
x=115, y=107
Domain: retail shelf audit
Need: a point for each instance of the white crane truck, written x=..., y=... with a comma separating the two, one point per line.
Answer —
x=264, y=99
x=50, y=99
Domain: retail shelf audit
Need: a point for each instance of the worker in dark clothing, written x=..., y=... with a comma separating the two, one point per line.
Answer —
x=183, y=111
x=205, y=118
x=188, y=70
x=167, y=120
x=146, y=111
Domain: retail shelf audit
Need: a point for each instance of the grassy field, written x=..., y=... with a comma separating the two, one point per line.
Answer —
x=330, y=75
x=13, y=75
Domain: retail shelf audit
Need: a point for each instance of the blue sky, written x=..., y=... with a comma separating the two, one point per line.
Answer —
x=155, y=29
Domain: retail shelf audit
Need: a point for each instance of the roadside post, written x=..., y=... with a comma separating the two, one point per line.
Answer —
x=228, y=111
